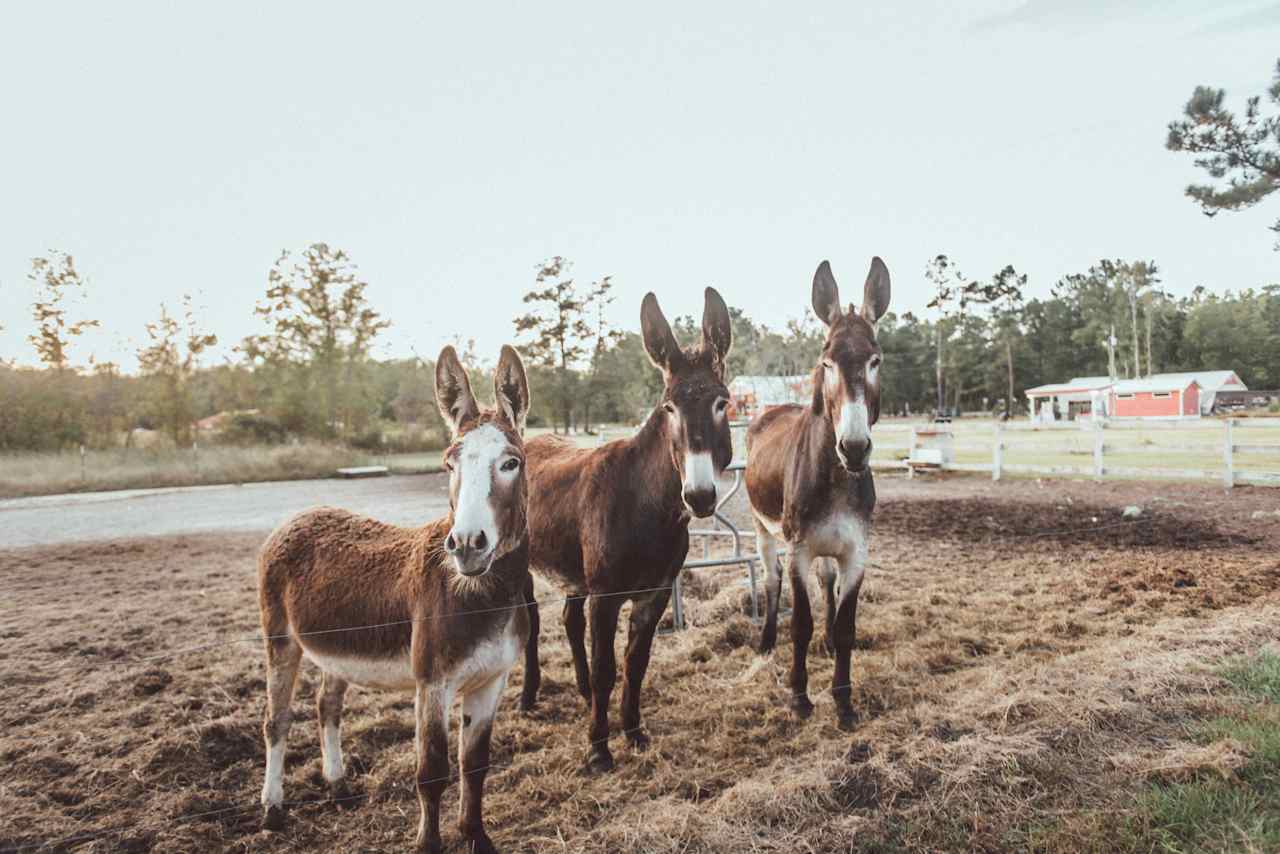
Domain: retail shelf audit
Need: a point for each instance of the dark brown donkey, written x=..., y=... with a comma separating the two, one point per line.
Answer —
x=809, y=481
x=613, y=522
x=438, y=609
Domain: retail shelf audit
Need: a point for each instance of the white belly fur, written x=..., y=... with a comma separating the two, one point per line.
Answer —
x=837, y=533
x=491, y=657
x=389, y=673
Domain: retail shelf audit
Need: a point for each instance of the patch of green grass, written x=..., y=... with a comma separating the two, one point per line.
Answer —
x=1216, y=814
x=1210, y=816
x=1257, y=676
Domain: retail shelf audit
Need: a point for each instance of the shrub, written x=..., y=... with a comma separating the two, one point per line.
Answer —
x=251, y=429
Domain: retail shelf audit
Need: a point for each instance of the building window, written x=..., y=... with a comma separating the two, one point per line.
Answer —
x=1161, y=394
x=1126, y=396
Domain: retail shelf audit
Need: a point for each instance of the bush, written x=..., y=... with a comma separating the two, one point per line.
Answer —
x=251, y=429
x=411, y=440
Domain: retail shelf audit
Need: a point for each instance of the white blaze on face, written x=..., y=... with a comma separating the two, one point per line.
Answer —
x=855, y=421
x=699, y=472
x=476, y=466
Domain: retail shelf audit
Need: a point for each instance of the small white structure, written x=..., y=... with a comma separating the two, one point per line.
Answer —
x=1080, y=397
x=752, y=395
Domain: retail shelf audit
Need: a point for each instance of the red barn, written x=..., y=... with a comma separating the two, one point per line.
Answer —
x=1172, y=396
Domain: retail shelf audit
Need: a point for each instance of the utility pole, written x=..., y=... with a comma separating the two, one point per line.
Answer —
x=1110, y=341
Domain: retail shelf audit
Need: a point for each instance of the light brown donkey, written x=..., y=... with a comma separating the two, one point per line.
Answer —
x=809, y=481
x=438, y=609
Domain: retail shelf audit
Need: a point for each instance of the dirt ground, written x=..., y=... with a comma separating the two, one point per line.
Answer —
x=1026, y=658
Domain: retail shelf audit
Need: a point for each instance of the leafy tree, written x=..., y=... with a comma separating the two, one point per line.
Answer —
x=55, y=278
x=170, y=360
x=1242, y=151
x=560, y=331
x=1004, y=293
x=320, y=331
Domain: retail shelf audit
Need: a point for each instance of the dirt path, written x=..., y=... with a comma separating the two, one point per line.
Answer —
x=1022, y=648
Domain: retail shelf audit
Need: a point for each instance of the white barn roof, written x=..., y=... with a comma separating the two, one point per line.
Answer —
x=1208, y=380
x=1160, y=382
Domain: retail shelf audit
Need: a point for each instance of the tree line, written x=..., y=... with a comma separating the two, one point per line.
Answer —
x=309, y=373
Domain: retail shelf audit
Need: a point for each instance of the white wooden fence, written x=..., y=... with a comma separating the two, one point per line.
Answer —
x=1240, y=463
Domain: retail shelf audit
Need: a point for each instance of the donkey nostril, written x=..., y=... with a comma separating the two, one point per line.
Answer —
x=480, y=541
x=450, y=543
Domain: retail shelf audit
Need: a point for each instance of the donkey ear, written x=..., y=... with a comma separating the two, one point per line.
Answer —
x=717, y=328
x=826, y=296
x=511, y=388
x=453, y=391
x=875, y=293
x=659, y=343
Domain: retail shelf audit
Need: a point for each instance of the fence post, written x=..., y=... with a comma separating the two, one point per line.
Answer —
x=195, y=453
x=997, y=453
x=1098, y=447
x=83, y=478
x=1228, y=457
x=911, y=455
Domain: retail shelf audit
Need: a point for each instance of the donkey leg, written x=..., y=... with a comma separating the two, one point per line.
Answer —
x=575, y=626
x=801, y=631
x=478, y=708
x=329, y=709
x=828, y=576
x=532, y=669
x=283, y=656
x=851, y=573
x=431, y=736
x=646, y=612
x=767, y=548
x=604, y=672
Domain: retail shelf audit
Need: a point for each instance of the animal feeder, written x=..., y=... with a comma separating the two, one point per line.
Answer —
x=932, y=447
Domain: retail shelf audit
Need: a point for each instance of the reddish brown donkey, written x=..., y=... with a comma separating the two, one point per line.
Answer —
x=438, y=609
x=809, y=482
x=613, y=522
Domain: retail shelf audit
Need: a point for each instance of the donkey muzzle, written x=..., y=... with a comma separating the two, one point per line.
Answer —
x=472, y=551
x=854, y=454
x=701, y=501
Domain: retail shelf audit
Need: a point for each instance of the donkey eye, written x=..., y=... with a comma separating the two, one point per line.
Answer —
x=511, y=464
x=670, y=408
x=874, y=363
x=828, y=365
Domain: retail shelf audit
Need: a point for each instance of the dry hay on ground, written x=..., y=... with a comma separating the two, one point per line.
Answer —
x=1004, y=677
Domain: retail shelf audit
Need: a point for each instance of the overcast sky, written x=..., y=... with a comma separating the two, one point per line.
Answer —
x=448, y=149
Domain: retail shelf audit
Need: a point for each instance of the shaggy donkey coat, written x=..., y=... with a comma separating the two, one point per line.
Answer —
x=438, y=610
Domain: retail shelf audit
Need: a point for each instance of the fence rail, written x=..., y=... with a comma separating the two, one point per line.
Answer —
x=1091, y=442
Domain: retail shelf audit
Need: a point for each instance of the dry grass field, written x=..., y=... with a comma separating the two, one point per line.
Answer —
x=1032, y=671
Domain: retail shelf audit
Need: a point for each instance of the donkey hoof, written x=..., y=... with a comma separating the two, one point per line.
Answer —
x=480, y=843
x=847, y=720
x=429, y=846
x=273, y=818
x=801, y=706
x=339, y=793
x=528, y=703
x=599, y=760
x=638, y=739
